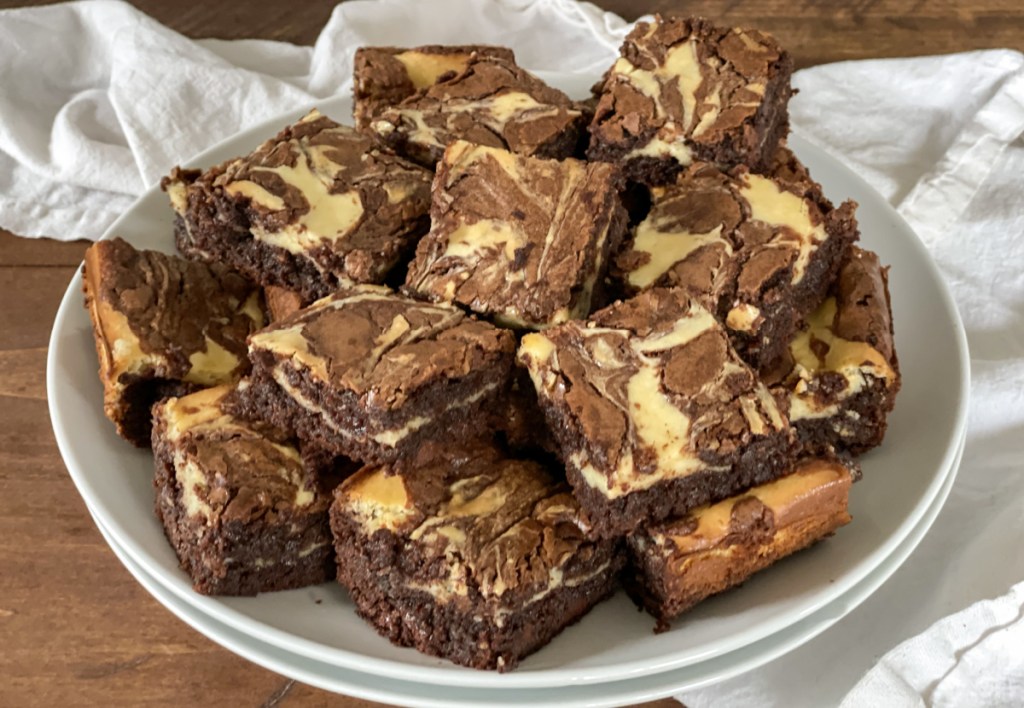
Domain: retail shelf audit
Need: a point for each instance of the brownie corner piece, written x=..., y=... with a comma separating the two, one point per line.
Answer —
x=684, y=90
x=371, y=374
x=523, y=240
x=163, y=326
x=653, y=410
x=492, y=102
x=678, y=563
x=316, y=206
x=242, y=511
x=840, y=374
x=386, y=76
x=472, y=556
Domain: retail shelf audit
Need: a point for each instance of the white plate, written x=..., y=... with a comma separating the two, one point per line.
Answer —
x=901, y=480
x=648, y=688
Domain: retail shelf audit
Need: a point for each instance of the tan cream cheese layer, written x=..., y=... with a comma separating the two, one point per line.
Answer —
x=424, y=69
x=791, y=498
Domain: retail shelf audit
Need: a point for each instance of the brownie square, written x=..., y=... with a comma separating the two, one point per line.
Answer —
x=519, y=239
x=758, y=251
x=241, y=509
x=839, y=376
x=163, y=326
x=468, y=555
x=684, y=90
x=386, y=76
x=491, y=102
x=318, y=205
x=653, y=410
x=369, y=374
x=676, y=564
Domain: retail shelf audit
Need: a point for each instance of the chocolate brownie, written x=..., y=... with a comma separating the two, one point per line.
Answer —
x=468, y=555
x=653, y=410
x=516, y=238
x=316, y=206
x=491, y=102
x=676, y=564
x=163, y=326
x=241, y=509
x=370, y=374
x=386, y=76
x=839, y=377
x=684, y=90
x=281, y=302
x=759, y=252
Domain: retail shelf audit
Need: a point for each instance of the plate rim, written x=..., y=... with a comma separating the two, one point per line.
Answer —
x=451, y=675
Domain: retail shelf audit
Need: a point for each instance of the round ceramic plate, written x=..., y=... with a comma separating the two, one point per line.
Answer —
x=614, y=642
x=649, y=688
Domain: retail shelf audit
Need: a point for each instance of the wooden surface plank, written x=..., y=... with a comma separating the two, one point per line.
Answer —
x=76, y=629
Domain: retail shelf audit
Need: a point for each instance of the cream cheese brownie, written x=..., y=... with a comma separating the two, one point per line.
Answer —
x=316, y=206
x=519, y=239
x=684, y=90
x=840, y=375
x=163, y=326
x=491, y=102
x=241, y=509
x=468, y=555
x=676, y=564
x=370, y=374
x=386, y=76
x=653, y=410
x=758, y=252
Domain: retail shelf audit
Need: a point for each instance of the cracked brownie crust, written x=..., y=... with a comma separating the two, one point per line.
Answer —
x=316, y=206
x=491, y=102
x=370, y=374
x=163, y=326
x=468, y=555
x=684, y=90
x=758, y=252
x=653, y=410
x=522, y=240
x=241, y=509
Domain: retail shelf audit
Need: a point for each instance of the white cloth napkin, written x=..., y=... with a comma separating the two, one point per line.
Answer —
x=100, y=101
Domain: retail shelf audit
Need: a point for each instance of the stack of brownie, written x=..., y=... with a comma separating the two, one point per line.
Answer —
x=511, y=359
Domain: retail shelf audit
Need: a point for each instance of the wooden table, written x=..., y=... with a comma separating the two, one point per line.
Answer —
x=75, y=628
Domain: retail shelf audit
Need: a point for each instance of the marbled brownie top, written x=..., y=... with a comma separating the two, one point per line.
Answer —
x=228, y=469
x=475, y=526
x=320, y=191
x=160, y=316
x=653, y=390
x=521, y=239
x=385, y=76
x=382, y=346
x=490, y=102
x=681, y=87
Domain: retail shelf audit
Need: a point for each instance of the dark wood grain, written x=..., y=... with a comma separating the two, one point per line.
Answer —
x=75, y=629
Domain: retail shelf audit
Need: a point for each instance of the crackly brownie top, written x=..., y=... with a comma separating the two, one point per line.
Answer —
x=160, y=315
x=680, y=82
x=475, y=525
x=725, y=238
x=521, y=239
x=844, y=344
x=817, y=487
x=491, y=102
x=372, y=342
x=324, y=191
x=385, y=76
x=229, y=470
x=652, y=388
